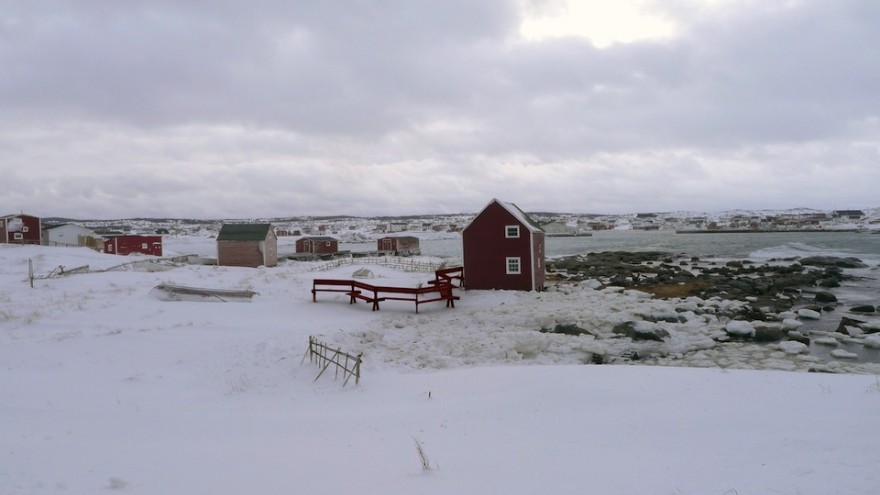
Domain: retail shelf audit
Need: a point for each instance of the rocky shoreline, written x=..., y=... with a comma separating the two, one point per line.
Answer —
x=771, y=307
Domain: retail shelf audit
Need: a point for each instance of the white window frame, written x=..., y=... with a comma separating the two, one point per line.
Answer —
x=513, y=265
x=25, y=229
x=511, y=231
x=18, y=236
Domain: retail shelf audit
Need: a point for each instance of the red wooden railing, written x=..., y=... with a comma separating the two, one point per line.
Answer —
x=439, y=289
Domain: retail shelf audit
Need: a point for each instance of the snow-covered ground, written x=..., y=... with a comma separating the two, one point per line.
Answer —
x=108, y=388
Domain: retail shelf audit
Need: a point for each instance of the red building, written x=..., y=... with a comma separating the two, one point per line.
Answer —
x=404, y=245
x=20, y=229
x=127, y=244
x=502, y=248
x=317, y=245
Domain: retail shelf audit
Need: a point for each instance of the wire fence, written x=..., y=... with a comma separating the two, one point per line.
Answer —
x=402, y=264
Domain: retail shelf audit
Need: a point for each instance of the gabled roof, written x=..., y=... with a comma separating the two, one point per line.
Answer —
x=16, y=215
x=401, y=237
x=319, y=238
x=517, y=213
x=244, y=232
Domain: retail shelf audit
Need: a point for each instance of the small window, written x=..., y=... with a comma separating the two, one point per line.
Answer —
x=144, y=245
x=18, y=236
x=513, y=266
x=1, y=222
x=511, y=231
x=25, y=229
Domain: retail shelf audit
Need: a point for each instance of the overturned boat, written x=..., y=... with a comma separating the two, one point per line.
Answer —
x=171, y=292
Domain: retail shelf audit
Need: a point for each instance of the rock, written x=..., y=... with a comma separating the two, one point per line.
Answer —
x=809, y=314
x=567, y=329
x=768, y=333
x=833, y=261
x=848, y=322
x=825, y=297
x=798, y=337
x=863, y=308
x=641, y=330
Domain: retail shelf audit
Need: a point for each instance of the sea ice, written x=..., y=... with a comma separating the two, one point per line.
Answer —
x=809, y=314
x=792, y=347
x=740, y=327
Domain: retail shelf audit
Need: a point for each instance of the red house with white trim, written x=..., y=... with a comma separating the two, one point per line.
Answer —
x=127, y=244
x=502, y=248
x=317, y=245
x=402, y=245
x=20, y=229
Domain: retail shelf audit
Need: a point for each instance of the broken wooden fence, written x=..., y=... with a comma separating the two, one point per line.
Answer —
x=343, y=362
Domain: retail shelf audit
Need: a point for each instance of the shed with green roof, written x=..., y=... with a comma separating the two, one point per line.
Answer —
x=247, y=244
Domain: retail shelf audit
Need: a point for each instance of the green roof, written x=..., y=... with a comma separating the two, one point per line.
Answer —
x=244, y=232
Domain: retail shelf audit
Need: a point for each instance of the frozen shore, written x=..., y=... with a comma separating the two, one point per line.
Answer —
x=108, y=387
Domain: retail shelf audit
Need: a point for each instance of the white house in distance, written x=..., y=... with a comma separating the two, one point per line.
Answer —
x=70, y=235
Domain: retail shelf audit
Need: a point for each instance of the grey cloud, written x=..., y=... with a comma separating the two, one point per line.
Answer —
x=376, y=97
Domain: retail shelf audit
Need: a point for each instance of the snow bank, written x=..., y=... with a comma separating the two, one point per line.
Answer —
x=106, y=388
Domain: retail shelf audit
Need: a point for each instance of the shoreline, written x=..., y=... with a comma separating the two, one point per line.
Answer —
x=766, y=231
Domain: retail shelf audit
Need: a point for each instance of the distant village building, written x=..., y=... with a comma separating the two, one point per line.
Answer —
x=558, y=229
x=70, y=235
x=399, y=245
x=317, y=245
x=247, y=244
x=503, y=248
x=20, y=229
x=128, y=244
x=851, y=214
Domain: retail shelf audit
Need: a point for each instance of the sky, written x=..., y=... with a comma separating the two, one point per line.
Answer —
x=197, y=109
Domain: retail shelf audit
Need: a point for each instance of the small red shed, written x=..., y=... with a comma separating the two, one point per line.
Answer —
x=317, y=245
x=127, y=244
x=502, y=248
x=404, y=245
x=20, y=229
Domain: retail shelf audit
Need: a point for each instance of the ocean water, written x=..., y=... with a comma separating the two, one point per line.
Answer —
x=756, y=246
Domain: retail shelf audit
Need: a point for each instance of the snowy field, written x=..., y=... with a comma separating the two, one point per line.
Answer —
x=108, y=388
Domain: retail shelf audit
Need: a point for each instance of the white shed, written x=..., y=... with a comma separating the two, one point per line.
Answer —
x=69, y=235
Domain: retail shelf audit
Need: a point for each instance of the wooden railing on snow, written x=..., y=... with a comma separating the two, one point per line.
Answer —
x=439, y=289
x=344, y=363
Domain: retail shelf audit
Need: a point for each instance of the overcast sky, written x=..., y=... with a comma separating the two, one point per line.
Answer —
x=265, y=108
